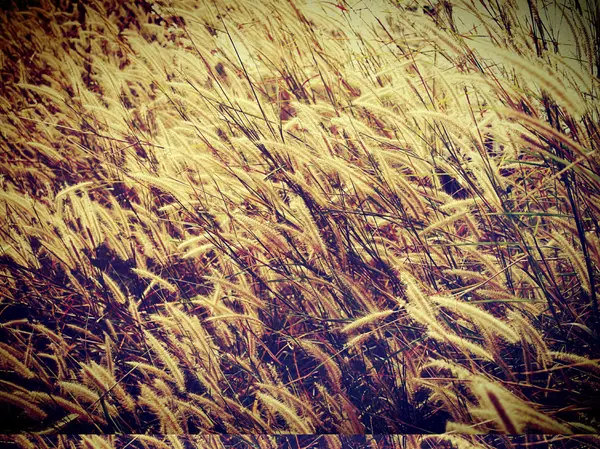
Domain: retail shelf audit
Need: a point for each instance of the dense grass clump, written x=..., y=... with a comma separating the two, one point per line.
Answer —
x=300, y=217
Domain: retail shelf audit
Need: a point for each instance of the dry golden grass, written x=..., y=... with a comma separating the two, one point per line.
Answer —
x=300, y=217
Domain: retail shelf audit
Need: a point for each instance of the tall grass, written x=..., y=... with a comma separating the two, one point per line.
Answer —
x=288, y=217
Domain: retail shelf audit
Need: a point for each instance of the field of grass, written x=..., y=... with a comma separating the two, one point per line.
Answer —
x=287, y=222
